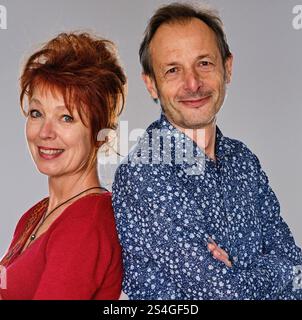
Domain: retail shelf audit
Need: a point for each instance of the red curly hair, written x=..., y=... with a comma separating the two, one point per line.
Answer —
x=86, y=71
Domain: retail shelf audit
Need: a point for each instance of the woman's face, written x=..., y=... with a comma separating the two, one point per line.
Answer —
x=59, y=142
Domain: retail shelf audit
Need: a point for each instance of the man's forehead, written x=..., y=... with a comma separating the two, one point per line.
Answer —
x=178, y=28
x=174, y=38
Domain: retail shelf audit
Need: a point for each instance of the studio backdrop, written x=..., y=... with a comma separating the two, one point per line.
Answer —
x=262, y=109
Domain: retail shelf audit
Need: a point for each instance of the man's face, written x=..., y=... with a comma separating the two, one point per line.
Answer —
x=189, y=76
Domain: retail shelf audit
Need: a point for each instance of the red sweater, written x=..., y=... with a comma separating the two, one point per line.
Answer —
x=78, y=257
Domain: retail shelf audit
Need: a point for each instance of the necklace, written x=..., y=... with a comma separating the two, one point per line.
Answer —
x=45, y=216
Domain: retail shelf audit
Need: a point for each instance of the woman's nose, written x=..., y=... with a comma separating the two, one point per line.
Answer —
x=47, y=130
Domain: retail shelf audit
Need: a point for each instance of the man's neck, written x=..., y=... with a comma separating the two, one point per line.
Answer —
x=205, y=138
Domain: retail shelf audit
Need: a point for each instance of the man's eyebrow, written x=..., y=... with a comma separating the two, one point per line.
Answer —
x=175, y=63
x=206, y=55
x=170, y=64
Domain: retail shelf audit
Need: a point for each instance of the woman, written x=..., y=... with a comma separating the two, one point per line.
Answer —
x=66, y=246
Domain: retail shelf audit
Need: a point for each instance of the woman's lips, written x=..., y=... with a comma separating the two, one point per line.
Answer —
x=195, y=103
x=49, y=153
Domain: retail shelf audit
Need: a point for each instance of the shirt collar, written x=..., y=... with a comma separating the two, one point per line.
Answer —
x=223, y=145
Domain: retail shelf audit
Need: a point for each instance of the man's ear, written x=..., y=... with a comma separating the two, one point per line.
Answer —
x=150, y=85
x=228, y=68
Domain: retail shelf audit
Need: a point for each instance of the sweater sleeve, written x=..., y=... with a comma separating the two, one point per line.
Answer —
x=82, y=259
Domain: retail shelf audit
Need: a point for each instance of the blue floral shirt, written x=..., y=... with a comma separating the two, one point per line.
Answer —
x=166, y=211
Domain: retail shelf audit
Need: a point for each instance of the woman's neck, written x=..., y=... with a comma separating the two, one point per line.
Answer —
x=64, y=187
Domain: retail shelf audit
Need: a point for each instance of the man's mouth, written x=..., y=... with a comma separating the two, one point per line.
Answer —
x=195, y=102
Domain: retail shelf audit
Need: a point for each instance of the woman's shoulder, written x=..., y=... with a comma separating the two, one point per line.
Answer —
x=93, y=202
x=31, y=214
x=89, y=215
x=93, y=207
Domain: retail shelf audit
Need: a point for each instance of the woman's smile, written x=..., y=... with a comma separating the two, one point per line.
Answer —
x=49, y=153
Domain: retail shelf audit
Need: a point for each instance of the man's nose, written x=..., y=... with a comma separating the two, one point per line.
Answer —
x=192, y=81
x=47, y=130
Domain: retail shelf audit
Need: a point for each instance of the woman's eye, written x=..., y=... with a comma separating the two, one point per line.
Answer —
x=34, y=113
x=67, y=118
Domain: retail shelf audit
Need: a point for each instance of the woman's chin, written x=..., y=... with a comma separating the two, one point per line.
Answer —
x=50, y=172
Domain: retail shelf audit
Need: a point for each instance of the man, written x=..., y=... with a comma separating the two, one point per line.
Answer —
x=196, y=216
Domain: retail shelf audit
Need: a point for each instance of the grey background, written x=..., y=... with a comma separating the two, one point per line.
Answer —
x=263, y=107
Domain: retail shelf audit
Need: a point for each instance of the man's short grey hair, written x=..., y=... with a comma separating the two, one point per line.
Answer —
x=181, y=12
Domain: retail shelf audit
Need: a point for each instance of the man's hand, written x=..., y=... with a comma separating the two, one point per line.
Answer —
x=219, y=253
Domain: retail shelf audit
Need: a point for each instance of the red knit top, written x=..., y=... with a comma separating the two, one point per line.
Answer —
x=78, y=257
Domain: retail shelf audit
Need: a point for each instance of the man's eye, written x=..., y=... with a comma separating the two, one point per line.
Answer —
x=172, y=70
x=34, y=113
x=206, y=64
x=67, y=118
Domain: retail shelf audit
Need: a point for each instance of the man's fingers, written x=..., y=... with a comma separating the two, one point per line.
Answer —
x=219, y=254
x=214, y=246
x=223, y=252
x=228, y=263
x=221, y=257
x=211, y=246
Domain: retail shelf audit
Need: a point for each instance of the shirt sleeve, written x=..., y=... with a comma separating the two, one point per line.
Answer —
x=157, y=266
x=78, y=258
x=277, y=237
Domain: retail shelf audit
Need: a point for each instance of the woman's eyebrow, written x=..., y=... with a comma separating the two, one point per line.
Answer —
x=37, y=101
